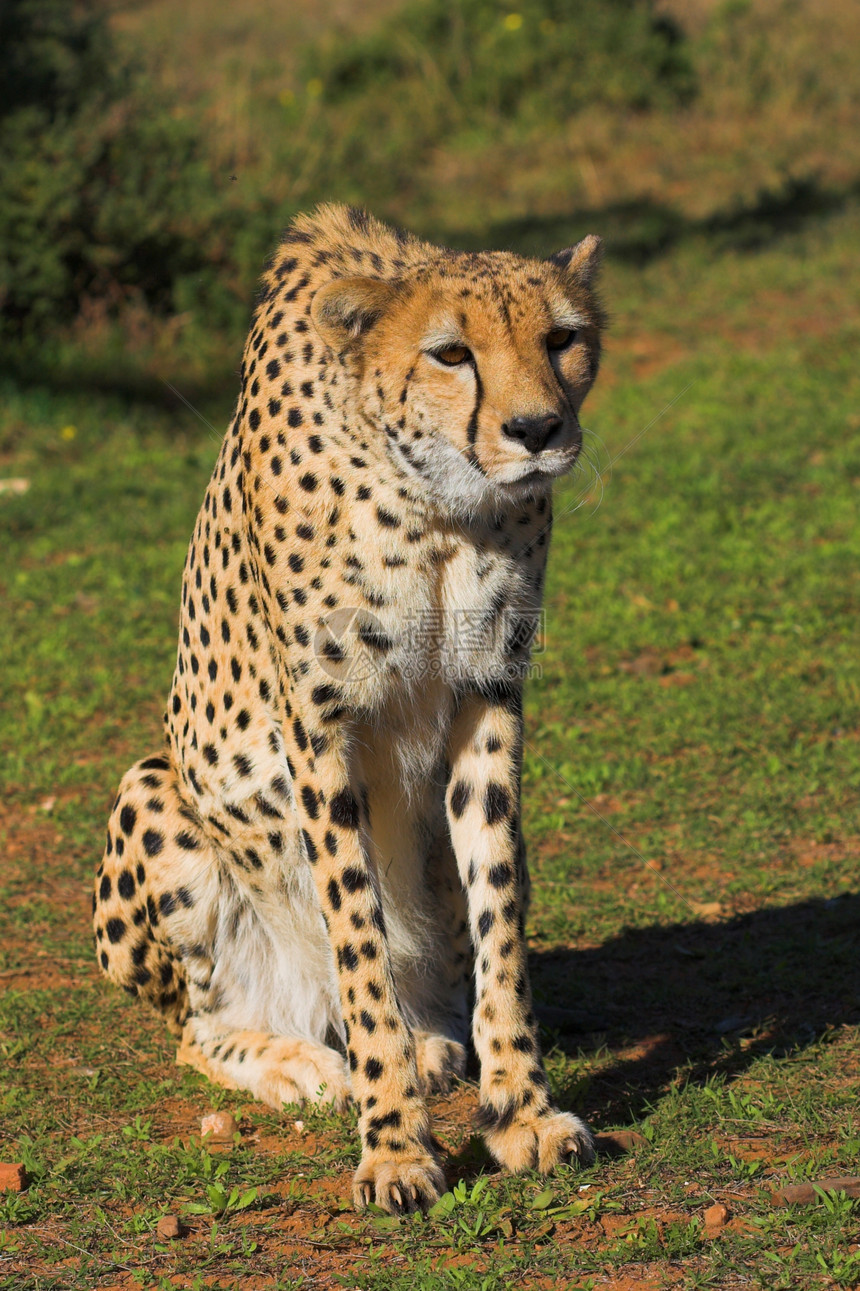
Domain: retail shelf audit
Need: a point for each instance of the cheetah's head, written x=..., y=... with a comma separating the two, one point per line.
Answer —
x=474, y=367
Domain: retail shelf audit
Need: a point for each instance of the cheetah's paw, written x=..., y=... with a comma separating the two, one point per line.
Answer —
x=297, y=1071
x=400, y=1187
x=440, y=1062
x=541, y=1143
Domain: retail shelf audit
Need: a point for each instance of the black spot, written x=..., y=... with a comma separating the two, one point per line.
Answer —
x=187, y=842
x=309, y=798
x=334, y=894
x=500, y=875
x=497, y=803
x=344, y=809
x=386, y=519
x=105, y=888
x=495, y=1118
x=367, y=1022
x=373, y=1069
x=115, y=930
x=347, y=958
x=127, y=819
x=485, y=922
x=153, y=842
x=323, y=694
x=460, y=795
x=125, y=885
x=374, y=637
x=353, y=879
x=210, y=753
x=392, y=1119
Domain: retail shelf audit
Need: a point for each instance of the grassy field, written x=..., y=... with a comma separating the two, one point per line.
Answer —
x=691, y=794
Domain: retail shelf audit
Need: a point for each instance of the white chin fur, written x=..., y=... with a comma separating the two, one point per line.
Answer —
x=461, y=489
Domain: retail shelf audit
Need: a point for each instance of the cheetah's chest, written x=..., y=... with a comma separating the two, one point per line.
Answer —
x=457, y=617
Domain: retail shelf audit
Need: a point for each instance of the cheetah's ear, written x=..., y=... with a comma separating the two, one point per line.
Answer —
x=343, y=310
x=582, y=261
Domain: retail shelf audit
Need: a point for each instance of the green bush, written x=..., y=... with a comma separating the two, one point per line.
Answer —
x=105, y=193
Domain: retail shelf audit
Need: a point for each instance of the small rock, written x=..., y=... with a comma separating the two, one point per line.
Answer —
x=18, y=486
x=47, y=804
x=220, y=1126
x=716, y=1217
x=300, y=1125
x=169, y=1228
x=13, y=1177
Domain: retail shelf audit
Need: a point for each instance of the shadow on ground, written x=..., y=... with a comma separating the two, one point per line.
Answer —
x=699, y=998
x=637, y=231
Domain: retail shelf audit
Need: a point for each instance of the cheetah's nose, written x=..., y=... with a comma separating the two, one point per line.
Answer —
x=532, y=432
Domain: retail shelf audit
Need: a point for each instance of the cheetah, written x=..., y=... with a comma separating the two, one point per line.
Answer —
x=320, y=881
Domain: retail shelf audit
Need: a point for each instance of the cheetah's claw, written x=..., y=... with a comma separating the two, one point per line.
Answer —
x=399, y=1187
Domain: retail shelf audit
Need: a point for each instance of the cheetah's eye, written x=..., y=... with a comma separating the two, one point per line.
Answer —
x=560, y=337
x=453, y=355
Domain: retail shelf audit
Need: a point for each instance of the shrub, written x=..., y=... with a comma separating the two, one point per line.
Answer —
x=105, y=193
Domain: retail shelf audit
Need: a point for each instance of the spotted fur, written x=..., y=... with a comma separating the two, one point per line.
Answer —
x=325, y=862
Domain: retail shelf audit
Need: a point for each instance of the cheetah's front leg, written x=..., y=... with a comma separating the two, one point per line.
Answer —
x=522, y=1127
x=399, y=1169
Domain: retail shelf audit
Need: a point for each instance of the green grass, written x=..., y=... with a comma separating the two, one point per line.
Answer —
x=699, y=691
